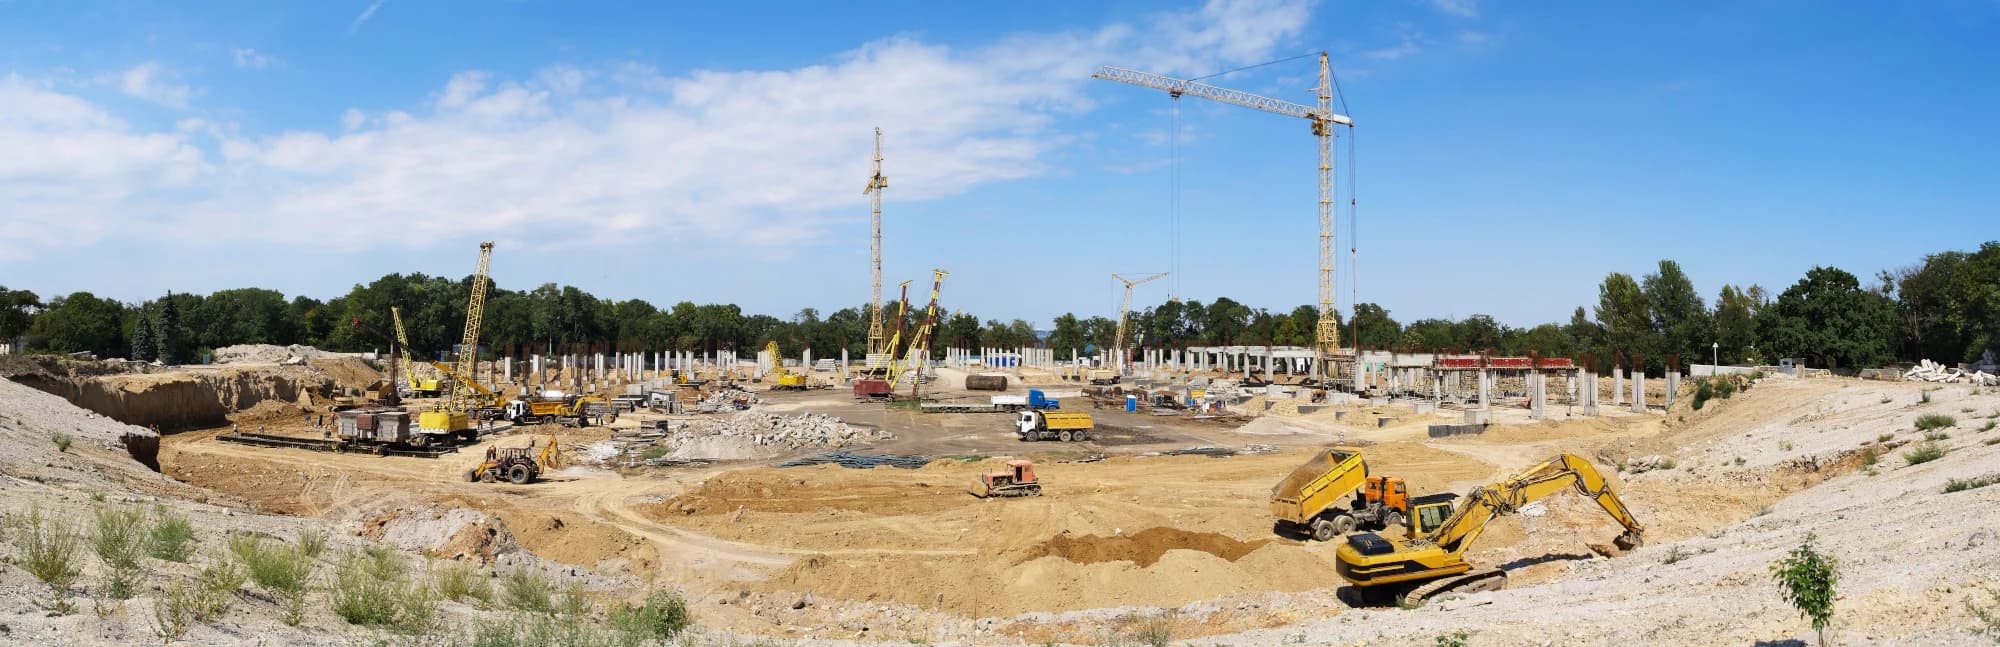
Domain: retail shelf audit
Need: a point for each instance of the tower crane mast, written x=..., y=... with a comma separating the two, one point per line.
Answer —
x=876, y=184
x=1124, y=313
x=1323, y=120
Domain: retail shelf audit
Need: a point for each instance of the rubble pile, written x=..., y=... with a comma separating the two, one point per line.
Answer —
x=1929, y=371
x=292, y=355
x=759, y=435
x=727, y=399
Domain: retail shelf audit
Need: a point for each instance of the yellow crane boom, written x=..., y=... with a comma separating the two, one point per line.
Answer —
x=475, y=314
x=1124, y=312
x=920, y=342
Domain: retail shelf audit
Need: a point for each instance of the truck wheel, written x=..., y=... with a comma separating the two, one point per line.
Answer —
x=1343, y=524
x=1022, y=436
x=1065, y=436
x=1395, y=519
x=519, y=475
x=1322, y=530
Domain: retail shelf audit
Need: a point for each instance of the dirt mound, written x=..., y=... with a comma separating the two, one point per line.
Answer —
x=350, y=372
x=266, y=354
x=1143, y=548
x=453, y=533
x=269, y=410
x=187, y=399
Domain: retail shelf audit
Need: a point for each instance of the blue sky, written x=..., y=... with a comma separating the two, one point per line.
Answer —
x=1509, y=155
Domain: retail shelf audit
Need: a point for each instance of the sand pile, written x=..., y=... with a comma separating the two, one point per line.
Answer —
x=266, y=354
x=447, y=534
x=1143, y=548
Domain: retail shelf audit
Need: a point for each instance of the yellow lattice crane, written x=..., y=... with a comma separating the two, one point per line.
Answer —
x=919, y=350
x=876, y=183
x=1323, y=120
x=781, y=379
x=418, y=385
x=453, y=418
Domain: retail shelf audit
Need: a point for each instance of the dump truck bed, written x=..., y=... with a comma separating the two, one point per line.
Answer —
x=1321, y=482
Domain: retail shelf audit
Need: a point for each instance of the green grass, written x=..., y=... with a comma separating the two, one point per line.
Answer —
x=1784, y=445
x=370, y=589
x=63, y=441
x=1936, y=436
x=663, y=615
x=1959, y=485
x=1988, y=426
x=1924, y=452
x=1883, y=438
x=652, y=453
x=172, y=537
x=1674, y=555
x=48, y=550
x=1154, y=630
x=459, y=581
x=525, y=590
x=282, y=569
x=219, y=581
x=1931, y=421
x=120, y=541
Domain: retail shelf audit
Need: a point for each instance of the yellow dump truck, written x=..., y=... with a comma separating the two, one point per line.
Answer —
x=1313, y=499
x=1053, y=425
x=571, y=411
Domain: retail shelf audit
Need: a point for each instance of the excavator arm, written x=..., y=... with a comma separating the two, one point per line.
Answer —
x=1565, y=471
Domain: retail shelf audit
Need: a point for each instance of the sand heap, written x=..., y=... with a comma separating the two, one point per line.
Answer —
x=760, y=435
x=267, y=354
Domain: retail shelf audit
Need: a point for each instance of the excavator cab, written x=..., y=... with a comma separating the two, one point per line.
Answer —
x=1428, y=512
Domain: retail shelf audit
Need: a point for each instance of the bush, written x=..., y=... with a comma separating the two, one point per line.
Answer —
x=1936, y=436
x=575, y=600
x=1870, y=456
x=1453, y=639
x=48, y=551
x=119, y=539
x=1665, y=464
x=1674, y=555
x=312, y=541
x=1702, y=393
x=1924, y=452
x=1988, y=615
x=63, y=441
x=1883, y=438
x=663, y=615
x=457, y=581
x=284, y=570
x=219, y=582
x=1931, y=421
x=1784, y=445
x=1724, y=388
x=369, y=590
x=172, y=538
x=1807, y=579
x=1959, y=485
x=526, y=590
x=174, y=611
x=1988, y=426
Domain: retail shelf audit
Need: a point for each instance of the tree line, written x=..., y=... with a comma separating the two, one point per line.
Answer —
x=1946, y=308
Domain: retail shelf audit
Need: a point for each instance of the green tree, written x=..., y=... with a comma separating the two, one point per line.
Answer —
x=1808, y=578
x=167, y=332
x=1679, y=318
x=1375, y=329
x=1829, y=320
x=81, y=322
x=17, y=308
x=144, y=348
x=1735, y=325
x=1623, y=313
x=1069, y=335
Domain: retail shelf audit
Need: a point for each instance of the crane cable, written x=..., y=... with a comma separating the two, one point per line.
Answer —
x=1353, y=220
x=1174, y=200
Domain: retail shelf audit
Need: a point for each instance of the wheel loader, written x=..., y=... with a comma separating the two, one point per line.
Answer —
x=517, y=465
x=1018, y=480
x=1430, y=559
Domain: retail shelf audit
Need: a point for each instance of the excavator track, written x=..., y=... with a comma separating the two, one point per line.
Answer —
x=1491, y=579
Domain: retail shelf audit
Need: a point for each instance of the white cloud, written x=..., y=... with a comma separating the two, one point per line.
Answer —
x=252, y=59
x=1460, y=8
x=749, y=161
x=365, y=15
x=1408, y=43
x=149, y=81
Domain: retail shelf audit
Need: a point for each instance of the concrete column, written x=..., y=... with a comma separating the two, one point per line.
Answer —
x=1639, y=391
x=1617, y=386
x=1485, y=388
x=1673, y=386
x=1538, y=398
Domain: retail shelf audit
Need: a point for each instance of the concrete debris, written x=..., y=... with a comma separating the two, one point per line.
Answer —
x=727, y=399
x=1929, y=371
x=758, y=435
x=292, y=355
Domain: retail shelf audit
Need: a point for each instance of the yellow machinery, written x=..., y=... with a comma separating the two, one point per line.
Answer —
x=1066, y=426
x=485, y=403
x=1430, y=559
x=571, y=411
x=517, y=465
x=1310, y=500
x=919, y=350
x=420, y=386
x=782, y=379
x=453, y=418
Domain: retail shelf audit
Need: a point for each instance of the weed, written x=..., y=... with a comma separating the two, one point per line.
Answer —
x=282, y=569
x=574, y=601
x=1927, y=395
x=175, y=611
x=48, y=547
x=1965, y=410
x=97, y=497
x=536, y=631
x=1453, y=639
x=1991, y=441
x=1155, y=630
x=358, y=596
x=1725, y=388
x=655, y=452
x=663, y=615
x=1924, y=452
x=1887, y=399
x=1739, y=460
x=219, y=582
x=1762, y=511
x=1931, y=421
x=1958, y=485
x=1784, y=445
x=1870, y=456
x=1664, y=464
x=63, y=441
x=1807, y=579
x=1674, y=555
x=172, y=538
x=1988, y=615
x=526, y=590
x=457, y=581
x=119, y=539
x=1988, y=426
x=1935, y=436
x=312, y=541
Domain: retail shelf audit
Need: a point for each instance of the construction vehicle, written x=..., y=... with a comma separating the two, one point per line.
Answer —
x=1430, y=559
x=918, y=352
x=517, y=465
x=1018, y=480
x=570, y=410
x=783, y=380
x=1053, y=425
x=1101, y=376
x=453, y=418
x=484, y=403
x=1309, y=500
x=416, y=385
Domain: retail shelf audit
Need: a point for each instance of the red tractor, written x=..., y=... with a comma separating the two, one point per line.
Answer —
x=1018, y=480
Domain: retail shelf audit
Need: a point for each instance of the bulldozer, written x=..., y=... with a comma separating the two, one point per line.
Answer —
x=1018, y=480
x=517, y=465
x=1430, y=559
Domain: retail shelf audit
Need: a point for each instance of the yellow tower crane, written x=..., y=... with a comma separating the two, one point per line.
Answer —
x=1124, y=313
x=876, y=184
x=1323, y=120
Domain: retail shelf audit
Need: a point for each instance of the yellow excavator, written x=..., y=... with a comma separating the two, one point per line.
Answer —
x=1430, y=559
x=782, y=379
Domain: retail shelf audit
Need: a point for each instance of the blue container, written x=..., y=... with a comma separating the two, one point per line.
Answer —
x=1132, y=403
